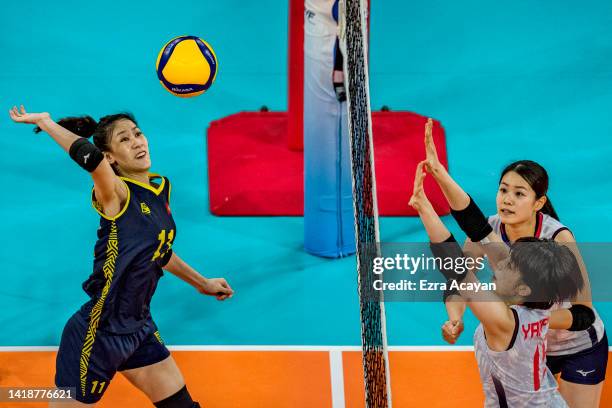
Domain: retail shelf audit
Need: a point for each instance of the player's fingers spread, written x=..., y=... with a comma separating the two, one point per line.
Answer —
x=23, y=112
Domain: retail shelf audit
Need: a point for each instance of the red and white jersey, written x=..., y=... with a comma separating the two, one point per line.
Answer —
x=546, y=227
x=519, y=377
x=560, y=342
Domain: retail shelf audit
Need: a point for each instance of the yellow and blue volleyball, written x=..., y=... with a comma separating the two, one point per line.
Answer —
x=186, y=66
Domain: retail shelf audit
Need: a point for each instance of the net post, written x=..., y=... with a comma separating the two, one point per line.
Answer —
x=295, y=86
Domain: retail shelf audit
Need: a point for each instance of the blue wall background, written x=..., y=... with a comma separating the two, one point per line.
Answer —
x=508, y=80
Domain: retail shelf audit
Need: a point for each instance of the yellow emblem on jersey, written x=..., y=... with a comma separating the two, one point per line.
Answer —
x=145, y=210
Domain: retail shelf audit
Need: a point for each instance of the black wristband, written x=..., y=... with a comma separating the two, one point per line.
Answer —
x=449, y=248
x=449, y=292
x=583, y=317
x=473, y=222
x=85, y=154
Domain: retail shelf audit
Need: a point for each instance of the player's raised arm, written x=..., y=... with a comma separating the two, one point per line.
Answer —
x=467, y=214
x=217, y=287
x=108, y=188
x=492, y=312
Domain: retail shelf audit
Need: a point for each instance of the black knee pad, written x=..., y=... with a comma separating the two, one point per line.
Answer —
x=181, y=399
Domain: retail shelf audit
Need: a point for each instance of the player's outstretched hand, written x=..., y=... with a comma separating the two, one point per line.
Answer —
x=432, y=162
x=451, y=330
x=21, y=116
x=418, y=199
x=217, y=287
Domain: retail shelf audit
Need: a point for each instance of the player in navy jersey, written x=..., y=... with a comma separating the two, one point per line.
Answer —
x=114, y=330
x=524, y=210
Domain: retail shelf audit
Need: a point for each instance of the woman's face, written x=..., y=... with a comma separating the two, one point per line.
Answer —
x=129, y=149
x=508, y=281
x=516, y=200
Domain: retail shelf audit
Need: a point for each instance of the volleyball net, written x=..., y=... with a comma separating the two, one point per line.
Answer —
x=353, y=35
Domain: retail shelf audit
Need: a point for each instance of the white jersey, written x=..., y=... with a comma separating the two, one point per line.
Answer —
x=560, y=342
x=519, y=377
x=319, y=19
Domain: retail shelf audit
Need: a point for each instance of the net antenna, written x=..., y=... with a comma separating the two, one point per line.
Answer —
x=353, y=44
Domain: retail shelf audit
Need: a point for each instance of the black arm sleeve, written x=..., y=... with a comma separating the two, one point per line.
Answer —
x=85, y=154
x=448, y=249
x=473, y=222
x=582, y=317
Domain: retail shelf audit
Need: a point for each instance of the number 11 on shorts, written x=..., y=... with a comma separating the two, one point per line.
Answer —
x=94, y=385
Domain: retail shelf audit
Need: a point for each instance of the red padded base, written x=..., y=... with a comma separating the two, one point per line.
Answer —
x=251, y=171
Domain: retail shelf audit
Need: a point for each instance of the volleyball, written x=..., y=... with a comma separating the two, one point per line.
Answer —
x=186, y=66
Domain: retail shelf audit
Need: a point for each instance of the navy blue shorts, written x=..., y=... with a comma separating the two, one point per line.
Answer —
x=585, y=367
x=89, y=366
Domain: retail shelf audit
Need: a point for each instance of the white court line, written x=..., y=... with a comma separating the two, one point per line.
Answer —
x=337, y=378
x=269, y=348
x=265, y=348
x=29, y=348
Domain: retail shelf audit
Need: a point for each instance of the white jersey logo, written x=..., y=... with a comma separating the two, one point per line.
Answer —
x=585, y=373
x=85, y=158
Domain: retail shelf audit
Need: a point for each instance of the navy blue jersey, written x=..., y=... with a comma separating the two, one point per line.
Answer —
x=131, y=249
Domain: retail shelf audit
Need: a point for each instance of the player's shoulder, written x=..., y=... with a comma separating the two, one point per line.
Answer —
x=551, y=227
x=551, y=221
x=494, y=221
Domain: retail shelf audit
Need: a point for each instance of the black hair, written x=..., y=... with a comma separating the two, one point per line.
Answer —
x=86, y=126
x=549, y=269
x=536, y=176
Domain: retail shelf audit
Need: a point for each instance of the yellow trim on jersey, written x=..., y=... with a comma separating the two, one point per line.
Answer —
x=158, y=337
x=112, y=251
x=148, y=186
x=98, y=207
x=169, y=191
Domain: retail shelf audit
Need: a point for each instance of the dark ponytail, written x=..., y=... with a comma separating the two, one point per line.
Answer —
x=86, y=126
x=537, y=177
x=83, y=126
